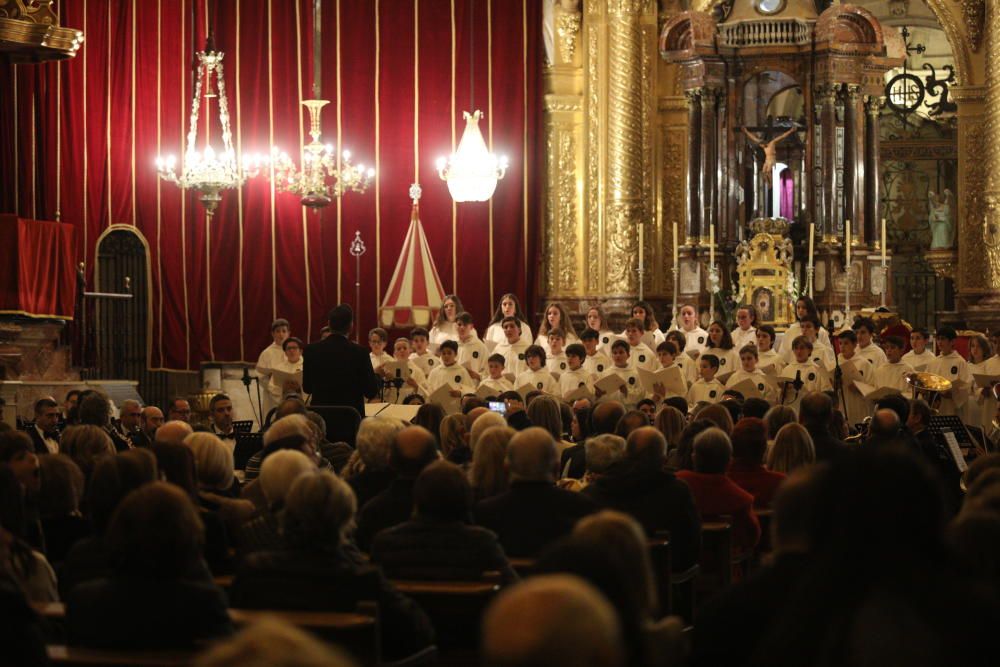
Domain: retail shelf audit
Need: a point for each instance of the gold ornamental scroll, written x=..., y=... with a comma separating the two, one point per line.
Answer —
x=989, y=203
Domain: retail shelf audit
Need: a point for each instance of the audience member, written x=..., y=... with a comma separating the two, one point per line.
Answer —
x=630, y=421
x=792, y=449
x=671, y=423
x=479, y=425
x=437, y=543
x=413, y=449
x=488, y=474
x=430, y=417
x=374, y=442
x=716, y=495
x=277, y=474
x=718, y=415
x=554, y=620
x=603, y=419
x=86, y=444
x=214, y=474
x=316, y=572
x=59, y=505
x=544, y=412
x=776, y=417
x=533, y=512
x=151, y=599
x=682, y=458
x=755, y=407
x=749, y=442
x=271, y=642
x=173, y=432
x=18, y=559
x=454, y=439
x=816, y=414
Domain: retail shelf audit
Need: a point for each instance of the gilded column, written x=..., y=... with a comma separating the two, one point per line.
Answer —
x=624, y=205
x=709, y=158
x=693, y=100
x=991, y=143
x=853, y=162
x=872, y=191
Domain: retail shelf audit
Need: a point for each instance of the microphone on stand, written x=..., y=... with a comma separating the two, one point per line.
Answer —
x=246, y=377
x=797, y=382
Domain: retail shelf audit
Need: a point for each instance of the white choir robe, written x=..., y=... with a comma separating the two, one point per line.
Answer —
x=688, y=366
x=873, y=353
x=919, y=361
x=858, y=407
x=452, y=375
x=274, y=391
x=697, y=338
x=606, y=338
x=758, y=378
x=557, y=363
x=770, y=358
x=658, y=337
x=513, y=356
x=541, y=380
x=598, y=364
x=893, y=375
x=980, y=410
x=821, y=355
x=393, y=395
x=813, y=379
x=472, y=354
x=379, y=360
x=634, y=391
x=570, y=381
x=427, y=362
x=542, y=340
x=741, y=337
x=495, y=333
x=441, y=332
x=496, y=385
x=269, y=358
x=640, y=356
x=793, y=332
x=704, y=391
x=952, y=366
x=729, y=360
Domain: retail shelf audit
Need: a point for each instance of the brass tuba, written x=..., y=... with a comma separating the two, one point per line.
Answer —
x=928, y=386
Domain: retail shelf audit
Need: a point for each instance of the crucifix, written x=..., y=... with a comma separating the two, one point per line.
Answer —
x=770, y=149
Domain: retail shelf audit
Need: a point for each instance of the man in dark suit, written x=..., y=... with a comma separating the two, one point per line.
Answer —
x=816, y=415
x=337, y=371
x=534, y=512
x=638, y=485
x=44, y=434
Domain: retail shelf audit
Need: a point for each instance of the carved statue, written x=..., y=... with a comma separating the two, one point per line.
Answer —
x=769, y=147
x=940, y=212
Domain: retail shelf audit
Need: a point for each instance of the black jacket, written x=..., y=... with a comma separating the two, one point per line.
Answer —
x=337, y=371
x=369, y=483
x=657, y=500
x=146, y=613
x=530, y=515
x=426, y=548
x=37, y=442
x=826, y=445
x=389, y=508
x=335, y=580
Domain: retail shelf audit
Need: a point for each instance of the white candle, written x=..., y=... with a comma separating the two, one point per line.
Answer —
x=711, y=245
x=883, y=241
x=812, y=236
x=676, y=249
x=847, y=244
x=641, y=253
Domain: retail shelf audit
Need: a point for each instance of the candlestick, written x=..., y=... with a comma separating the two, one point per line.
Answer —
x=883, y=242
x=676, y=249
x=812, y=238
x=847, y=244
x=711, y=245
x=641, y=246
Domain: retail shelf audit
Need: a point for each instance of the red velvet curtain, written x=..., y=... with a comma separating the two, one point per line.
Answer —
x=36, y=268
x=83, y=134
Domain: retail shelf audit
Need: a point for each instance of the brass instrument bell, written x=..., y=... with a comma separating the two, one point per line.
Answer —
x=928, y=386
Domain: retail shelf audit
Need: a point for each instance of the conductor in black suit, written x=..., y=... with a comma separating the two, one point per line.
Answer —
x=337, y=371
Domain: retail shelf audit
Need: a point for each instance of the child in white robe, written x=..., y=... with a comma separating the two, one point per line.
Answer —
x=706, y=389
x=537, y=376
x=496, y=382
x=449, y=372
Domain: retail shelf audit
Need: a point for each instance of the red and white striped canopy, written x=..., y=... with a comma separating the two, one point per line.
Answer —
x=415, y=294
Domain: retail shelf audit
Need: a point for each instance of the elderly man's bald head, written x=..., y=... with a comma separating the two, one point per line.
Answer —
x=532, y=456
x=173, y=432
x=474, y=414
x=605, y=417
x=152, y=418
x=413, y=449
x=646, y=444
x=553, y=620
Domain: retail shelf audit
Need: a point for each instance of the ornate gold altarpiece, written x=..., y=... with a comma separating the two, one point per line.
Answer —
x=617, y=132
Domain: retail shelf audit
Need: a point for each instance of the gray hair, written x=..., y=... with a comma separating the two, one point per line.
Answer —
x=319, y=511
x=280, y=470
x=532, y=455
x=602, y=451
x=289, y=426
x=712, y=451
x=374, y=441
x=212, y=459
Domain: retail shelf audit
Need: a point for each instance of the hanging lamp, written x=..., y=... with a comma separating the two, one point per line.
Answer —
x=472, y=171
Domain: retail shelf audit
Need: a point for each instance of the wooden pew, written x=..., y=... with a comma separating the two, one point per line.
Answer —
x=716, y=561
x=73, y=656
x=455, y=608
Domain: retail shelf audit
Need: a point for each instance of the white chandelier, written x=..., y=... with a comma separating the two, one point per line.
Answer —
x=324, y=174
x=206, y=171
x=472, y=171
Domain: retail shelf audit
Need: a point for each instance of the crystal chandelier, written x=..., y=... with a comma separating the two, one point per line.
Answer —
x=206, y=171
x=324, y=174
x=472, y=171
